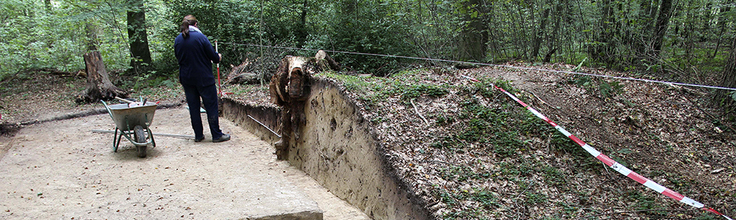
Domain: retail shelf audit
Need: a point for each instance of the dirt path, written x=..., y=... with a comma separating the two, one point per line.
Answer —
x=63, y=170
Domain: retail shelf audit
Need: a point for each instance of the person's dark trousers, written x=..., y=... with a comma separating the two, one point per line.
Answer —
x=209, y=99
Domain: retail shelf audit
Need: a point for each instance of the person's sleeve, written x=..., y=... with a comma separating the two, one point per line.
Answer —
x=177, y=41
x=210, y=51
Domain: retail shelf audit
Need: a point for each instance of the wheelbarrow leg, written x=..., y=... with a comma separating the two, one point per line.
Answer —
x=140, y=137
x=117, y=139
x=150, y=134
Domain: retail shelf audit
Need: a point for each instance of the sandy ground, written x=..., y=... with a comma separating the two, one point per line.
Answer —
x=62, y=170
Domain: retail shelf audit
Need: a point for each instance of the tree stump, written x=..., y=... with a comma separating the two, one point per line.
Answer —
x=290, y=88
x=99, y=86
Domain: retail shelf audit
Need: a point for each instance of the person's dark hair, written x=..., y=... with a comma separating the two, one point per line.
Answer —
x=184, y=28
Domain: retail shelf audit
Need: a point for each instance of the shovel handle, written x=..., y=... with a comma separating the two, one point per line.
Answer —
x=124, y=100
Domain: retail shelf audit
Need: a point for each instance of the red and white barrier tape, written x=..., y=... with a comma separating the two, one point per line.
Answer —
x=610, y=162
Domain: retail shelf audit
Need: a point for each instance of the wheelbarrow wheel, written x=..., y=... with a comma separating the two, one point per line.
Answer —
x=140, y=137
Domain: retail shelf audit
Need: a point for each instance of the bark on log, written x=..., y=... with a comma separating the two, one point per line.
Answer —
x=99, y=86
x=242, y=74
x=326, y=62
x=244, y=78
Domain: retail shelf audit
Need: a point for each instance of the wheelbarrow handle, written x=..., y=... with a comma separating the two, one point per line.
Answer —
x=108, y=109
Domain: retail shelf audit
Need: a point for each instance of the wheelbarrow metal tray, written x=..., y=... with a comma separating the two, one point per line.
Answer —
x=126, y=118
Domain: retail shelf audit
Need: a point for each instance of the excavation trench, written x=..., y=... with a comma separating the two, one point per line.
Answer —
x=339, y=149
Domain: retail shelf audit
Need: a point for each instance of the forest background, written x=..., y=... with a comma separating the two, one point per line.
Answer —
x=688, y=41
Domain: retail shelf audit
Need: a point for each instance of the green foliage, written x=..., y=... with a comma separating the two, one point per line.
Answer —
x=512, y=170
x=486, y=199
x=461, y=173
x=616, y=35
x=646, y=203
x=611, y=89
x=583, y=81
x=533, y=198
x=705, y=216
x=605, y=89
x=561, y=143
x=414, y=91
x=228, y=22
x=444, y=120
x=368, y=27
x=378, y=88
x=31, y=39
x=36, y=37
x=553, y=176
x=491, y=126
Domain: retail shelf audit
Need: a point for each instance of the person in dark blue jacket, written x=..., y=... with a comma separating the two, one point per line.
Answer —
x=196, y=55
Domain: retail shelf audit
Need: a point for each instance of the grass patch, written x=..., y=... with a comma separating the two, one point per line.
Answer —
x=604, y=88
x=484, y=201
x=373, y=90
x=461, y=173
x=645, y=203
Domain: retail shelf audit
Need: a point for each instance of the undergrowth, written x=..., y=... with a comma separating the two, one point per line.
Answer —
x=604, y=89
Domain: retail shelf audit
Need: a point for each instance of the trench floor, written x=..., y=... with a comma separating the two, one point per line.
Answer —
x=63, y=170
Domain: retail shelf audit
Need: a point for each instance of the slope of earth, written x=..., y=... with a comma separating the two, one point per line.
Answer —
x=472, y=153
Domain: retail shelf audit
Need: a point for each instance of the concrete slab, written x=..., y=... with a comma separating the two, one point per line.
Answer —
x=61, y=170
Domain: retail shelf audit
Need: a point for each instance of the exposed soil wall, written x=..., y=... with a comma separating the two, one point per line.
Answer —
x=338, y=149
x=238, y=112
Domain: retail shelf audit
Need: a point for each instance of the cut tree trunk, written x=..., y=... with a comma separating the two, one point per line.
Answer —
x=99, y=86
x=325, y=61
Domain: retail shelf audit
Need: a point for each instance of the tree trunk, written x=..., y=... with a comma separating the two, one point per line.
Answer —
x=325, y=62
x=644, y=31
x=660, y=27
x=91, y=30
x=99, y=86
x=540, y=34
x=720, y=37
x=722, y=24
x=600, y=50
x=688, y=33
x=706, y=21
x=559, y=15
x=301, y=32
x=728, y=79
x=138, y=38
x=475, y=34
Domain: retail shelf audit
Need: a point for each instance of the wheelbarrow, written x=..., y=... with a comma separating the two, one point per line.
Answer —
x=133, y=119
